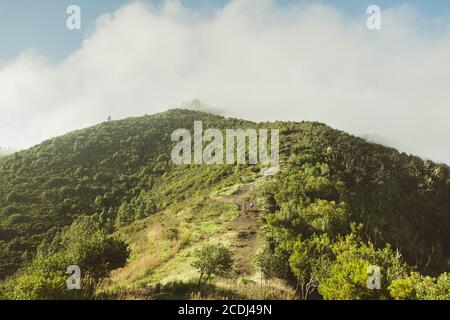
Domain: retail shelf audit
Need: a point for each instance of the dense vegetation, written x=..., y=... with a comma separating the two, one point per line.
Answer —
x=341, y=205
x=338, y=206
x=119, y=171
x=84, y=244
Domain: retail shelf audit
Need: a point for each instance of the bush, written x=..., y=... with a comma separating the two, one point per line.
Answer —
x=16, y=218
x=171, y=234
x=44, y=279
x=309, y=260
x=348, y=275
x=81, y=244
x=273, y=264
x=435, y=290
x=212, y=260
x=421, y=287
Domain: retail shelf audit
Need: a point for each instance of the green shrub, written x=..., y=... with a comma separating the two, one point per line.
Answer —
x=212, y=260
x=95, y=252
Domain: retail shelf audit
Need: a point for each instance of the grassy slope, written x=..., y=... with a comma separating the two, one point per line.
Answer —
x=161, y=255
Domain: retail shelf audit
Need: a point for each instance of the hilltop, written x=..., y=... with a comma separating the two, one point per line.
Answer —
x=333, y=188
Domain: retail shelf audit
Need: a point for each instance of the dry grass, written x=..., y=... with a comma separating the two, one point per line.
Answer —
x=163, y=246
x=150, y=248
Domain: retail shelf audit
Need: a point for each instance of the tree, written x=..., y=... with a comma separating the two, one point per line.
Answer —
x=82, y=244
x=212, y=260
x=419, y=287
x=44, y=279
x=405, y=288
x=308, y=261
x=348, y=274
x=437, y=289
x=346, y=281
x=273, y=263
x=323, y=216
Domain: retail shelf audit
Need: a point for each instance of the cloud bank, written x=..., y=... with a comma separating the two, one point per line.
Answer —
x=253, y=59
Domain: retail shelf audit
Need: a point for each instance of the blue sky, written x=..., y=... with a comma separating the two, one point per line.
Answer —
x=40, y=24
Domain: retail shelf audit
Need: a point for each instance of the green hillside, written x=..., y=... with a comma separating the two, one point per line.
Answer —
x=339, y=202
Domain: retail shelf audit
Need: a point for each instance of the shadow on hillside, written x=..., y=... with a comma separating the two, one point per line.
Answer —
x=177, y=290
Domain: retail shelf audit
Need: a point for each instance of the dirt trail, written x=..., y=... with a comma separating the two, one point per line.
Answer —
x=245, y=226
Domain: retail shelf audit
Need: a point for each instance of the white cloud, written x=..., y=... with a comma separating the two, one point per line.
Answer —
x=254, y=59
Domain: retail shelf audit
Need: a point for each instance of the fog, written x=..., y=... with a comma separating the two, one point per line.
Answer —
x=252, y=59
